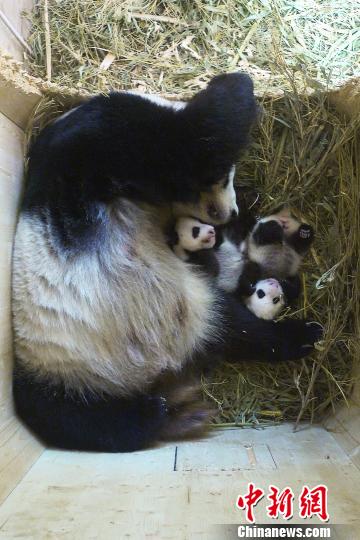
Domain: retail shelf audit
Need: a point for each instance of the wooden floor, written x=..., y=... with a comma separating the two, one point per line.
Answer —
x=178, y=491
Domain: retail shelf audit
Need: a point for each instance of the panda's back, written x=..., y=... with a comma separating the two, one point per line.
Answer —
x=110, y=318
x=276, y=260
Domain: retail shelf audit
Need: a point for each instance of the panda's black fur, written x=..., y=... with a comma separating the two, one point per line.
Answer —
x=106, y=318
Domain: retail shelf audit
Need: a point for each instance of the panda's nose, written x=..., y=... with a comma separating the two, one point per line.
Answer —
x=234, y=214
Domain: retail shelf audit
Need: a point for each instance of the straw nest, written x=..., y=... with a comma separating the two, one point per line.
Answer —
x=303, y=153
x=174, y=47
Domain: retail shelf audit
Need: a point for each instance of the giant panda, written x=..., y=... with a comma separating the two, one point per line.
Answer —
x=106, y=317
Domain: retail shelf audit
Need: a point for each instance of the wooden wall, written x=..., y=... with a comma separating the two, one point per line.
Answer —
x=13, y=9
x=18, y=448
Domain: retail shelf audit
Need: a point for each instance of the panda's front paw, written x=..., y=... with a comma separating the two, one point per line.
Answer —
x=306, y=233
x=298, y=338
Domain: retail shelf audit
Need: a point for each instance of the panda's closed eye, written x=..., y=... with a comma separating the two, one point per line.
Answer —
x=260, y=293
x=195, y=232
x=276, y=300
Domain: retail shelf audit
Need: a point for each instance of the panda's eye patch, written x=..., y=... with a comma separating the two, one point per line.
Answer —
x=195, y=232
x=276, y=300
x=260, y=293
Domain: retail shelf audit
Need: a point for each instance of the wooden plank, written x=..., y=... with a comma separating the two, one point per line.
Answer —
x=80, y=495
x=13, y=10
x=11, y=179
x=345, y=424
x=19, y=93
x=18, y=451
x=225, y=451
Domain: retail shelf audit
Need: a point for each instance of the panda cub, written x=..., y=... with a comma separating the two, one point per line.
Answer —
x=256, y=261
x=190, y=241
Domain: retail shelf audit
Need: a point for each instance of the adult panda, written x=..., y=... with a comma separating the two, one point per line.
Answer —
x=104, y=312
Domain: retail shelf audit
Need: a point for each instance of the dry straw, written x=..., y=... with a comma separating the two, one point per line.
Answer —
x=175, y=46
x=303, y=152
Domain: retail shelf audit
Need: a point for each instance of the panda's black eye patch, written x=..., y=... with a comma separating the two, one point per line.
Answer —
x=276, y=300
x=260, y=293
x=195, y=232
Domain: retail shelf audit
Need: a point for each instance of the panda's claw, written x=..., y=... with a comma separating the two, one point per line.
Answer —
x=315, y=323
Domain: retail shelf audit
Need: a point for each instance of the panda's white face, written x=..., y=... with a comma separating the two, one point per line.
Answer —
x=194, y=235
x=268, y=300
x=216, y=206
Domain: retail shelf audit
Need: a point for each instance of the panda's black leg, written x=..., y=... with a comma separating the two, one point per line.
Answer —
x=250, y=338
x=291, y=287
x=88, y=423
x=270, y=232
x=302, y=239
x=173, y=408
x=250, y=274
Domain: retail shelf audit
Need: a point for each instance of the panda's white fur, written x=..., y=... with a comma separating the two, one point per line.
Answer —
x=82, y=318
x=267, y=300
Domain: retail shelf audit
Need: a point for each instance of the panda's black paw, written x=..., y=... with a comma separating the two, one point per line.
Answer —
x=298, y=338
x=306, y=233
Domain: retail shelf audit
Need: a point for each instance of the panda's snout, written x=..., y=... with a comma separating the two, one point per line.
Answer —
x=209, y=235
x=223, y=215
x=213, y=211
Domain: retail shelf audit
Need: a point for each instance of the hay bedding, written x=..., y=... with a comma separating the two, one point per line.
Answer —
x=303, y=153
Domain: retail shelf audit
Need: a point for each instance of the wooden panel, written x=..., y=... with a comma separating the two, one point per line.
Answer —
x=19, y=93
x=11, y=173
x=13, y=11
x=81, y=495
x=223, y=452
x=18, y=451
x=18, y=448
x=345, y=424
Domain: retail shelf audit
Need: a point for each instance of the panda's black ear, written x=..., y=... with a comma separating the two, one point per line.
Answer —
x=195, y=232
x=216, y=124
x=260, y=293
x=268, y=233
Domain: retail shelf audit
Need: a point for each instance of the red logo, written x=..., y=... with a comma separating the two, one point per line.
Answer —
x=249, y=501
x=281, y=503
x=313, y=502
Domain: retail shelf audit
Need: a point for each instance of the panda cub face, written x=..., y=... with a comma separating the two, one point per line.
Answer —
x=267, y=300
x=194, y=235
x=216, y=206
